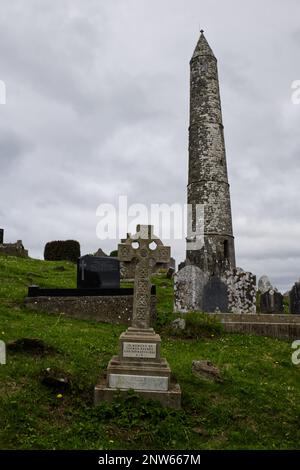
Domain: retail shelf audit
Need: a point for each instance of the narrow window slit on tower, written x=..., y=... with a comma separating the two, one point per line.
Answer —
x=226, y=249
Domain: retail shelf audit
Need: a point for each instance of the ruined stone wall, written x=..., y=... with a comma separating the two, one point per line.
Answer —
x=14, y=249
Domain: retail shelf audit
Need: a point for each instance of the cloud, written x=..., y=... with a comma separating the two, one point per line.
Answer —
x=12, y=147
x=97, y=106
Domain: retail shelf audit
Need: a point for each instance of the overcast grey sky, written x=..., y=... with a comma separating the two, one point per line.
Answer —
x=97, y=106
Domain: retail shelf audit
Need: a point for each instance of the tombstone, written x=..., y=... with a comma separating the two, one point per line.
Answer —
x=286, y=296
x=264, y=284
x=295, y=299
x=215, y=296
x=189, y=283
x=1, y=236
x=181, y=265
x=271, y=302
x=170, y=273
x=139, y=365
x=241, y=286
x=98, y=272
x=173, y=263
x=2, y=352
x=232, y=292
x=100, y=253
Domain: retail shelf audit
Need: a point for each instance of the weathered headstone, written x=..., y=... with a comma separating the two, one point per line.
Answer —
x=181, y=265
x=271, y=302
x=189, y=284
x=232, y=292
x=178, y=324
x=295, y=299
x=215, y=296
x=241, y=287
x=264, y=284
x=100, y=253
x=139, y=365
x=170, y=273
x=98, y=272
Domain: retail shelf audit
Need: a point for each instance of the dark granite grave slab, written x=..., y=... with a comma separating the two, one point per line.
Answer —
x=98, y=272
x=271, y=302
x=295, y=299
x=36, y=291
x=215, y=295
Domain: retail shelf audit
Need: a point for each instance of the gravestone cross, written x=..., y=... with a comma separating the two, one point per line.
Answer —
x=139, y=365
x=82, y=266
x=147, y=250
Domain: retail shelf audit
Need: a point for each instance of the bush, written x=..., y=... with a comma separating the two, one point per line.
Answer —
x=199, y=325
x=114, y=253
x=203, y=324
x=68, y=250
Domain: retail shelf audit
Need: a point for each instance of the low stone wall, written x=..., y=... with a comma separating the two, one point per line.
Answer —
x=259, y=317
x=273, y=325
x=106, y=309
x=274, y=330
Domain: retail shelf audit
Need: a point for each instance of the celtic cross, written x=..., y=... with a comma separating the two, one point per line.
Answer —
x=147, y=250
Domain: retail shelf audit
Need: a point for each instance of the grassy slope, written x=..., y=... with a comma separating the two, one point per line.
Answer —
x=257, y=406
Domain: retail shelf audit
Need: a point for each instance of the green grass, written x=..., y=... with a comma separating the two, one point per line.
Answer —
x=256, y=407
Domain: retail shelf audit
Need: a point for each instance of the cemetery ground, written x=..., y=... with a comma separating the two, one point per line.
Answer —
x=256, y=406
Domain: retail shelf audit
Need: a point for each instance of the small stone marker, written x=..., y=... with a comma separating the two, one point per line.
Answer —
x=178, y=324
x=172, y=263
x=2, y=352
x=295, y=299
x=264, y=284
x=170, y=273
x=181, y=265
x=271, y=302
x=95, y=272
x=139, y=365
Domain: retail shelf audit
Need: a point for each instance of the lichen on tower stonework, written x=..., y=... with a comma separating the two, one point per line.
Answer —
x=208, y=180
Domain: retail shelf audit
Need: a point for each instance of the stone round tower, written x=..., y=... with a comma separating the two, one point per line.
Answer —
x=210, y=241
